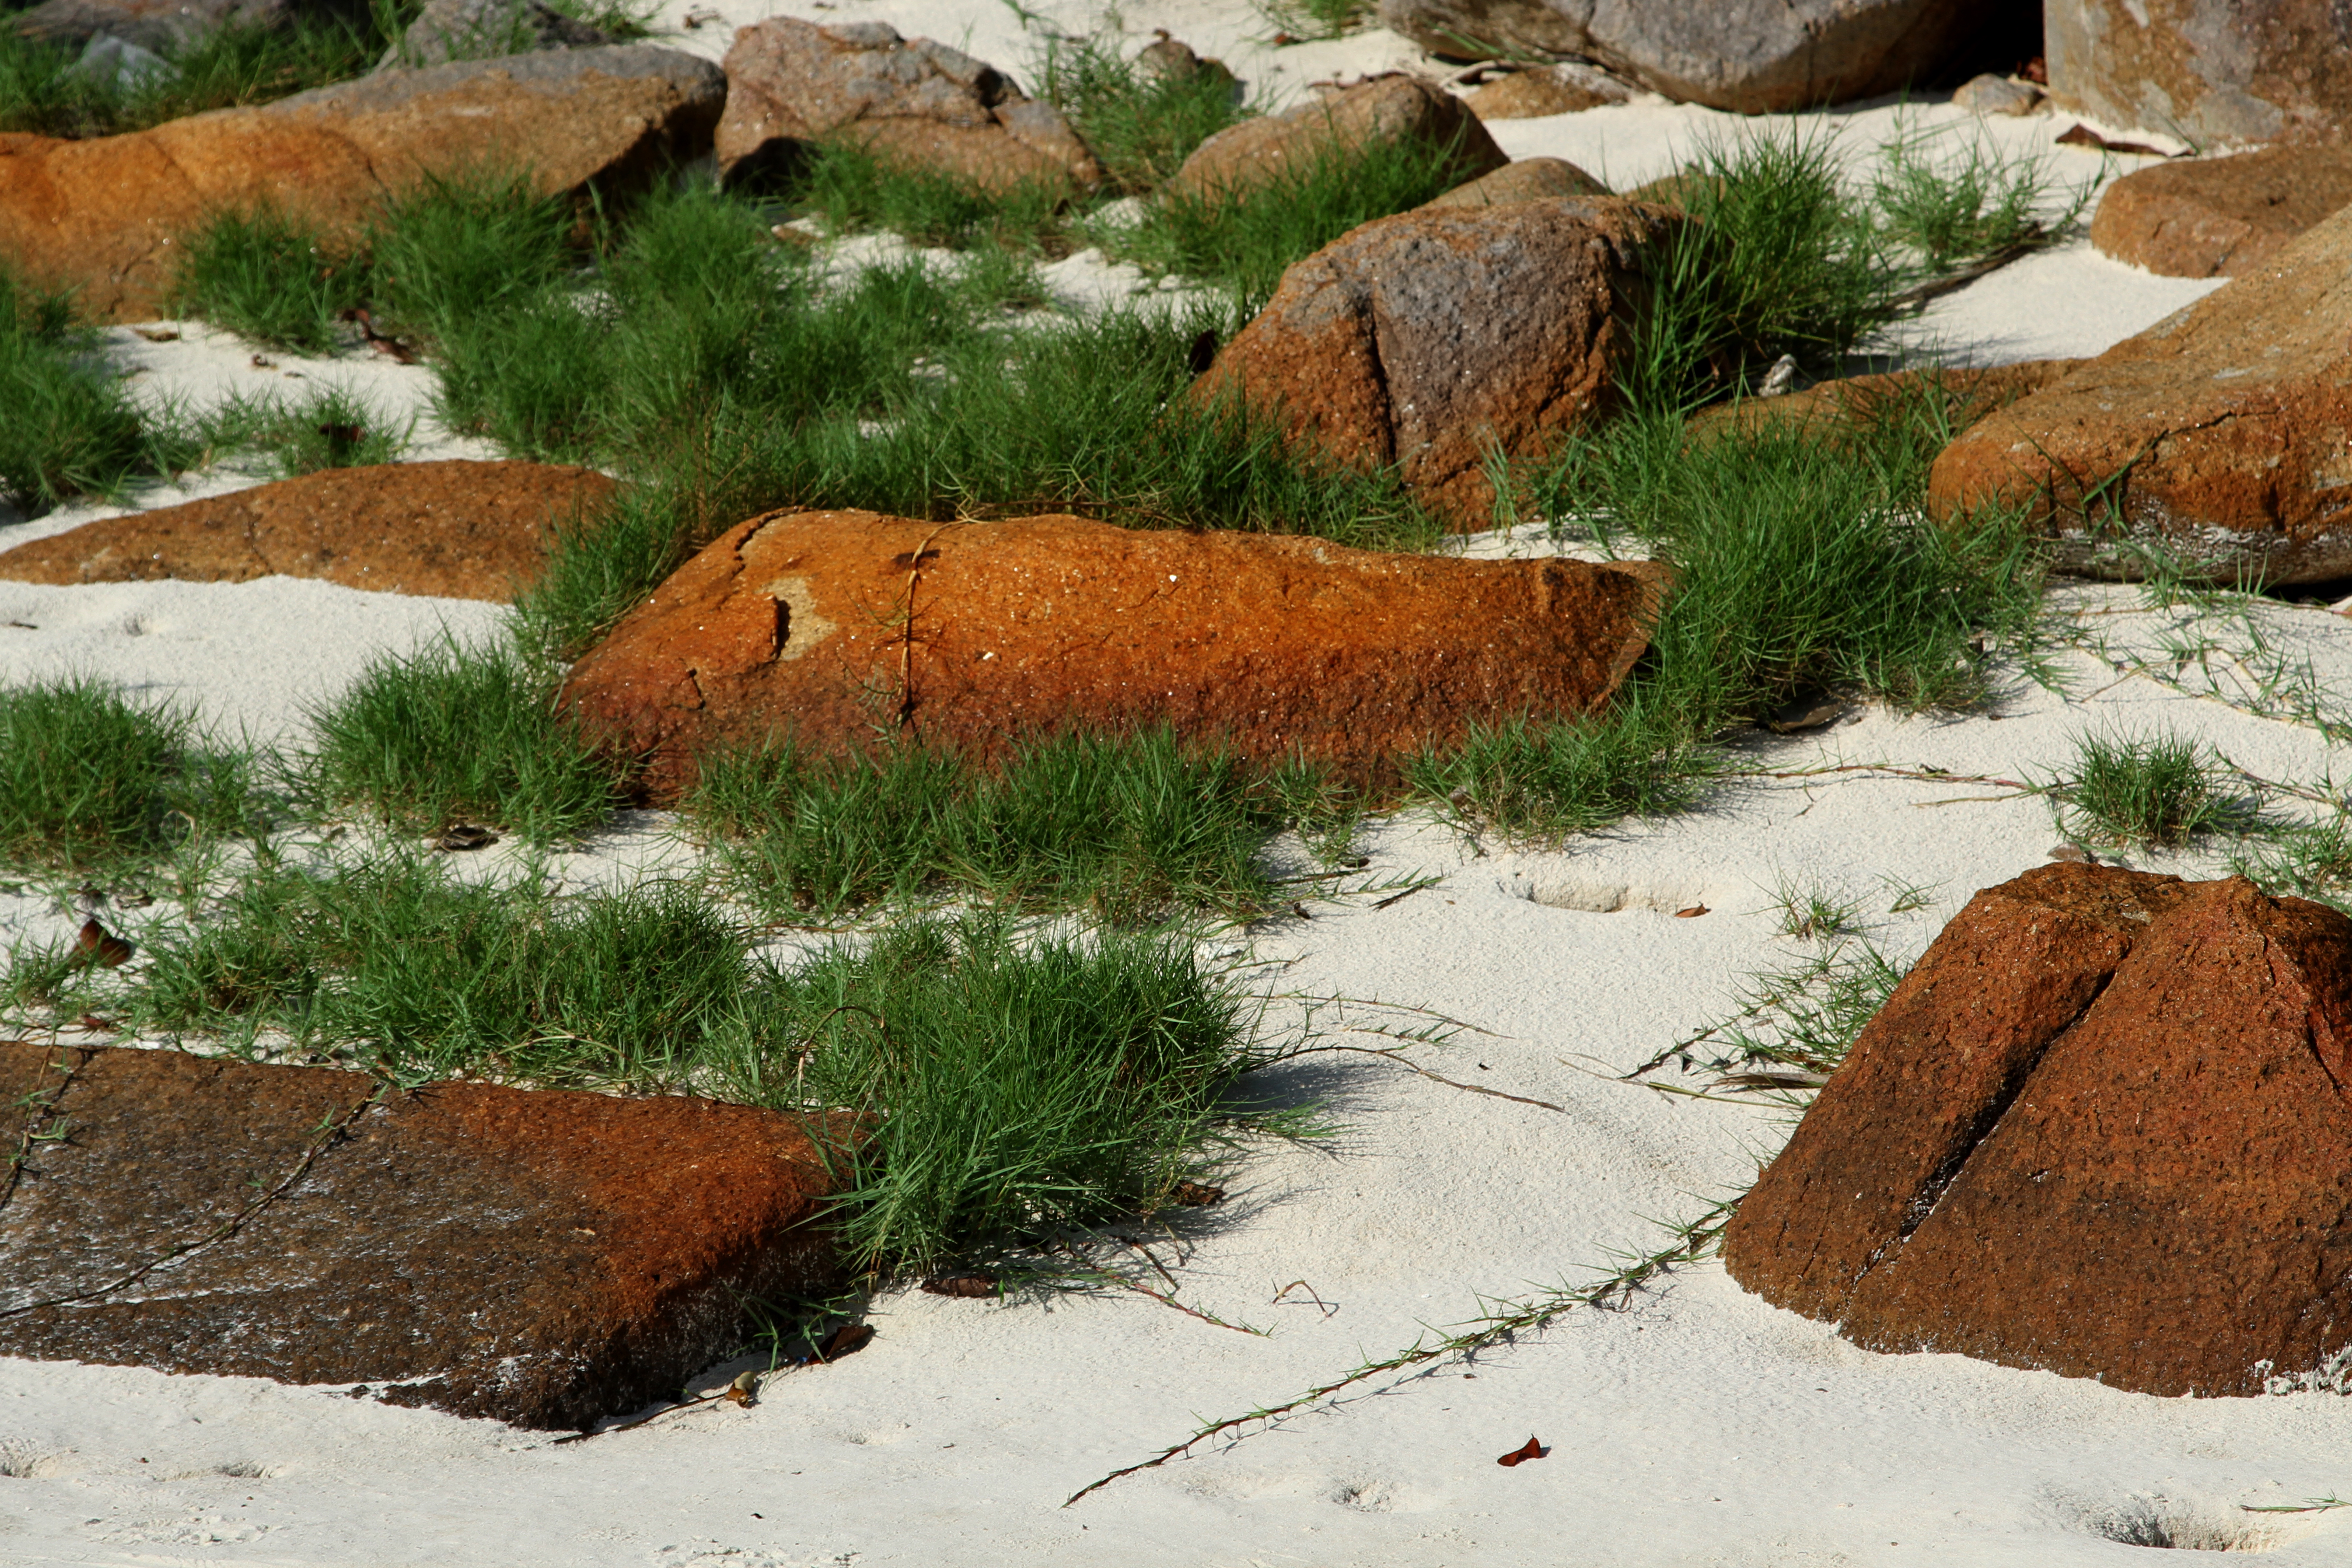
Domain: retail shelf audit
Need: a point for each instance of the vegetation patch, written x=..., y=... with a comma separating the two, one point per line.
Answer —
x=91, y=781
x=66, y=426
x=2144, y=791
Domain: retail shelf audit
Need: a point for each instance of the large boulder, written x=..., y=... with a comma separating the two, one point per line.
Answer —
x=919, y=104
x=2218, y=435
x=452, y=529
x=103, y=215
x=1436, y=338
x=2249, y=70
x=545, y=1257
x=838, y=626
x=2100, y=1130
x=1335, y=126
x=2220, y=217
x=1754, y=57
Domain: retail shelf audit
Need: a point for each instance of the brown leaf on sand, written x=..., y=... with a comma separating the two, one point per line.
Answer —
x=1691, y=913
x=743, y=1390
x=100, y=945
x=971, y=1286
x=1534, y=1450
x=2084, y=136
x=157, y=334
x=844, y=1339
x=1195, y=1194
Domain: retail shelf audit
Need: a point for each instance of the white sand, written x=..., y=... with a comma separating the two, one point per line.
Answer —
x=1698, y=1427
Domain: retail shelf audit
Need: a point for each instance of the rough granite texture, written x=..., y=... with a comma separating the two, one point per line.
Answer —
x=2100, y=1130
x=844, y=626
x=545, y=1257
x=2212, y=71
x=1272, y=148
x=2220, y=217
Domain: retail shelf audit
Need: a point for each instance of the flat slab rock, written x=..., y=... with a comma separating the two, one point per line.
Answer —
x=838, y=624
x=1856, y=403
x=454, y=530
x=2100, y=1130
x=543, y=1257
x=2220, y=217
x=2217, y=436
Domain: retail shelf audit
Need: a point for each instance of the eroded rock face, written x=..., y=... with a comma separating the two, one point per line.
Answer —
x=2222, y=436
x=1754, y=57
x=539, y=1257
x=1566, y=88
x=1429, y=338
x=2100, y=1130
x=2220, y=217
x=1274, y=148
x=2210, y=70
x=844, y=625
x=916, y=104
x=454, y=530
x=103, y=216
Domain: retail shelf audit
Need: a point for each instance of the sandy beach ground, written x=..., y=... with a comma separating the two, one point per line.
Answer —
x=1698, y=1425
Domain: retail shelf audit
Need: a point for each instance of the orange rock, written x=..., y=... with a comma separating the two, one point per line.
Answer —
x=452, y=529
x=103, y=215
x=844, y=625
x=2220, y=217
x=1547, y=90
x=1271, y=148
x=1521, y=180
x=1856, y=403
x=1430, y=339
x=2101, y=1130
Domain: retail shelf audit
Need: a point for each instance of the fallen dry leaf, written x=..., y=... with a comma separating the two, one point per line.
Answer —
x=1691, y=913
x=844, y=1339
x=1195, y=1194
x=157, y=334
x=1534, y=1450
x=971, y=1286
x=2084, y=136
x=100, y=945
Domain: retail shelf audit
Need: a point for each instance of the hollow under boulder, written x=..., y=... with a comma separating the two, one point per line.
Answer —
x=2100, y=1130
x=841, y=625
x=545, y=1257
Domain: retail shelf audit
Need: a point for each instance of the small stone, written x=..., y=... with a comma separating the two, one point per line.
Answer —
x=2074, y=852
x=1566, y=88
x=1991, y=94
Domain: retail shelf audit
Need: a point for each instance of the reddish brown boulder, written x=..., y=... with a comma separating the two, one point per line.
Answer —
x=1274, y=148
x=1858, y=403
x=1521, y=180
x=841, y=624
x=541, y=1257
x=1566, y=88
x=103, y=215
x=2218, y=435
x=1431, y=339
x=2100, y=1130
x=918, y=104
x=2220, y=217
x=2248, y=70
x=452, y=529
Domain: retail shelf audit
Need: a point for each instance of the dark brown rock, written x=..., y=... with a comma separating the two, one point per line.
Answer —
x=103, y=215
x=2218, y=435
x=2101, y=1130
x=2220, y=217
x=1566, y=89
x=543, y=1257
x=1430, y=339
x=1274, y=148
x=452, y=529
x=919, y=104
x=1521, y=180
x=1036, y=625
x=1753, y=57
x=1860, y=403
x=2208, y=71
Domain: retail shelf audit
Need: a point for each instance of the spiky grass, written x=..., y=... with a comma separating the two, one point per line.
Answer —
x=455, y=735
x=330, y=428
x=91, y=781
x=1140, y=126
x=850, y=188
x=66, y=426
x=2156, y=790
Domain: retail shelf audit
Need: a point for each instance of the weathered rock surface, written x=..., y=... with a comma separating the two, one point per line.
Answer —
x=2100, y=1130
x=916, y=104
x=1858, y=403
x=1989, y=94
x=1274, y=148
x=1521, y=180
x=2220, y=217
x=2208, y=71
x=452, y=529
x=165, y=24
x=449, y=30
x=1429, y=338
x=1564, y=89
x=842, y=624
x=1755, y=57
x=539, y=1257
x=2218, y=434
x=101, y=215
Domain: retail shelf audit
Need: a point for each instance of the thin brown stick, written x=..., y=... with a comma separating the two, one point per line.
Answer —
x=1102, y=1275
x=1303, y=1285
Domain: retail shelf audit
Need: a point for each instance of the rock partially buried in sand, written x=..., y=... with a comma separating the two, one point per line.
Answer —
x=2218, y=436
x=1566, y=88
x=843, y=624
x=545, y=1257
x=1432, y=339
x=915, y=104
x=2220, y=217
x=1521, y=180
x=452, y=529
x=2100, y=1130
x=104, y=215
x=1274, y=148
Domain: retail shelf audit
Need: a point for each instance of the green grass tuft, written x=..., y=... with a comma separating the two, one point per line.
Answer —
x=267, y=277
x=848, y=189
x=66, y=426
x=90, y=780
x=2155, y=790
x=1140, y=126
x=452, y=735
x=332, y=427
